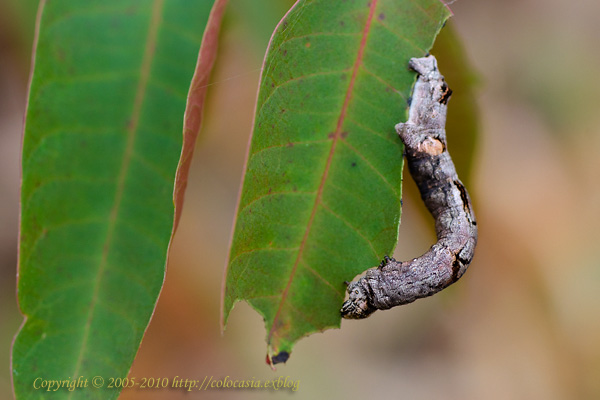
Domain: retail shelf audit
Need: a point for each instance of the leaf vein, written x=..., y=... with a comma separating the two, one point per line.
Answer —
x=372, y=167
x=312, y=270
x=152, y=37
x=337, y=135
x=387, y=84
x=349, y=225
x=272, y=194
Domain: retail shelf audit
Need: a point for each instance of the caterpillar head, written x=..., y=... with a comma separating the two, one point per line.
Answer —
x=357, y=306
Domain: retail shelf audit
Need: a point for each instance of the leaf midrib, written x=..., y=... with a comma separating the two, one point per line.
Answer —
x=131, y=130
x=336, y=137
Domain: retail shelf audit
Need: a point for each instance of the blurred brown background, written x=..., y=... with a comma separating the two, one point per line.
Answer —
x=524, y=323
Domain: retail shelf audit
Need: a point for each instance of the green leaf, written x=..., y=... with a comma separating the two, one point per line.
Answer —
x=102, y=142
x=320, y=201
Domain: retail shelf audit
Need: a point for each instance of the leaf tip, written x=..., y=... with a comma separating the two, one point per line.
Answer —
x=226, y=307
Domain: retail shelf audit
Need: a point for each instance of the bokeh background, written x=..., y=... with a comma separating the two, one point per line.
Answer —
x=524, y=323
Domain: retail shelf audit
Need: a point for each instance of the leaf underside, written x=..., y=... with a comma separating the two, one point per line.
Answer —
x=320, y=202
x=101, y=147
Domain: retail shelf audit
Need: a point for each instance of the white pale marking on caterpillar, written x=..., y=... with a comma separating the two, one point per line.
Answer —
x=394, y=283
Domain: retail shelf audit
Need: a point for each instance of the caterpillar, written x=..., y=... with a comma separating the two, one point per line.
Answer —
x=394, y=283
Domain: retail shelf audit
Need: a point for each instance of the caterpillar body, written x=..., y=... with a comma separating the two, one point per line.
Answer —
x=394, y=283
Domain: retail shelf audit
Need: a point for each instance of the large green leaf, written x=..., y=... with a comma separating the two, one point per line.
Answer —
x=101, y=147
x=320, y=201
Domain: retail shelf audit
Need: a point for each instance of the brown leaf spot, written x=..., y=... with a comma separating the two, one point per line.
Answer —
x=381, y=16
x=307, y=44
x=344, y=135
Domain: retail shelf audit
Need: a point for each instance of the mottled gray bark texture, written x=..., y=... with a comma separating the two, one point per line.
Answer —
x=394, y=283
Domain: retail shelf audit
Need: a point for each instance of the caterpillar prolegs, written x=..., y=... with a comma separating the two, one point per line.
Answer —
x=394, y=283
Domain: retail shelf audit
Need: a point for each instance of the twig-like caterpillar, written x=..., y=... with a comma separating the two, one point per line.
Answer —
x=394, y=283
